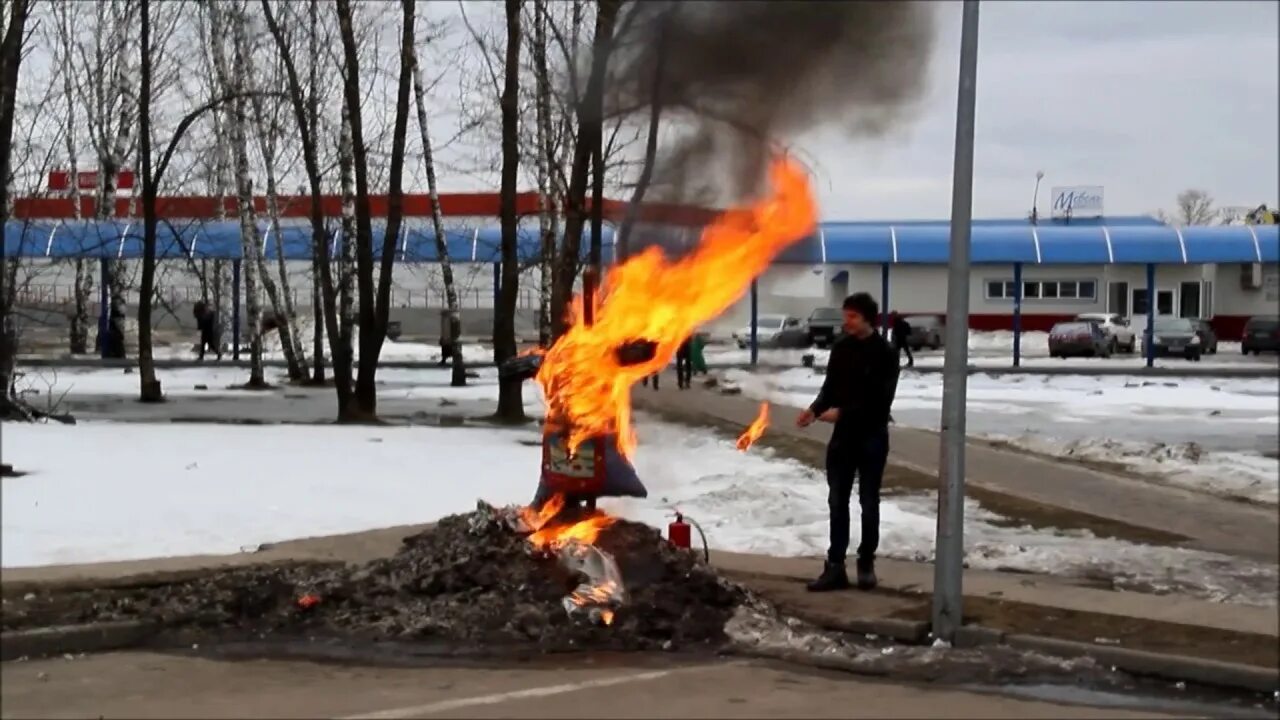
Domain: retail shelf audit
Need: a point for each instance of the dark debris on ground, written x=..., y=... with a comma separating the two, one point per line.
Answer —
x=469, y=580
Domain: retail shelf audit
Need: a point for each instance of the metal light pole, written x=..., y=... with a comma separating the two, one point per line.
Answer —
x=1035, y=199
x=949, y=554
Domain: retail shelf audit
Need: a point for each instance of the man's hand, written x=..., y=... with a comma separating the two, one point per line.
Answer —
x=830, y=416
x=805, y=418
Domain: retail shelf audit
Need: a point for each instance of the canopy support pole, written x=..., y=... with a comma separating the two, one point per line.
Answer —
x=755, y=321
x=1151, y=315
x=104, y=305
x=1017, y=314
x=884, y=299
x=235, y=309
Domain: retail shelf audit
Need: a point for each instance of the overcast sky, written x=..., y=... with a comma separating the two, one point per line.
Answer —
x=1143, y=98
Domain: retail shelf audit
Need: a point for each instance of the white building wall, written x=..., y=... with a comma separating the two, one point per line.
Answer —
x=1235, y=293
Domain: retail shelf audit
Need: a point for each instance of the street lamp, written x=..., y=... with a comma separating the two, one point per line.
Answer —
x=1035, y=198
x=949, y=543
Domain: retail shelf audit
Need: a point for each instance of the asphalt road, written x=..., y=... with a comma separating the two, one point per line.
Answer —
x=141, y=685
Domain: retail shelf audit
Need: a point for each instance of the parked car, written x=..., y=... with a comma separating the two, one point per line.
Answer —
x=1174, y=336
x=1261, y=334
x=824, y=326
x=776, y=331
x=926, y=330
x=1078, y=338
x=1116, y=328
x=1208, y=338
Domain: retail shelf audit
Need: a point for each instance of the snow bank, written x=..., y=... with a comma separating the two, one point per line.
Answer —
x=195, y=489
x=1040, y=411
x=1236, y=475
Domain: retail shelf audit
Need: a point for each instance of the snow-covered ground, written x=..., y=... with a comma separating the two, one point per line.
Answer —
x=195, y=489
x=392, y=351
x=1204, y=434
x=995, y=350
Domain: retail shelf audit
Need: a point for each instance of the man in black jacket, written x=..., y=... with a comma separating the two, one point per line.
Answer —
x=862, y=375
x=902, y=337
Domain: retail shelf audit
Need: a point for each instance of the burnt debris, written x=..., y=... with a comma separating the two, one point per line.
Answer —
x=472, y=580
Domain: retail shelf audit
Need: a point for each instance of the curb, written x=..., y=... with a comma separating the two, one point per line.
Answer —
x=63, y=639
x=1138, y=662
x=910, y=632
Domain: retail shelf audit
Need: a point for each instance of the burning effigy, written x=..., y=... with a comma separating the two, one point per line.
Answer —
x=644, y=310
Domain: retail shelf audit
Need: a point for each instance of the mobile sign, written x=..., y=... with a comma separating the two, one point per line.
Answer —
x=1077, y=201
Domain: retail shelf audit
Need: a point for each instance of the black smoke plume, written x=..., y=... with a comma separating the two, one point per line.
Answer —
x=734, y=78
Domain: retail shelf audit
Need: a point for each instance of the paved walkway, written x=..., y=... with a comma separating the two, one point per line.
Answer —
x=140, y=685
x=1210, y=523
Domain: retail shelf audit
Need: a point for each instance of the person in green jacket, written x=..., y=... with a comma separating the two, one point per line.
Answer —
x=696, y=346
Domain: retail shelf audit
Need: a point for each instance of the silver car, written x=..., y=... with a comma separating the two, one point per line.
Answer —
x=1116, y=328
x=775, y=331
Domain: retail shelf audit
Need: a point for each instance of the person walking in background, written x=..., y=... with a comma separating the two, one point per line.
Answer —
x=902, y=337
x=207, y=322
x=862, y=375
x=654, y=377
x=684, y=364
x=697, y=345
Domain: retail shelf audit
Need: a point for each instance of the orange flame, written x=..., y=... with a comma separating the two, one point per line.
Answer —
x=551, y=533
x=755, y=429
x=649, y=297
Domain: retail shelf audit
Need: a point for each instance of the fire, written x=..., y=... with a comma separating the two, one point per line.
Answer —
x=550, y=532
x=648, y=297
x=573, y=541
x=755, y=429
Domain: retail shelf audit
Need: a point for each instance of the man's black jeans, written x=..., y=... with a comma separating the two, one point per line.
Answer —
x=863, y=455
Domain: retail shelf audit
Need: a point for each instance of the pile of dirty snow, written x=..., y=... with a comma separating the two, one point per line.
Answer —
x=471, y=580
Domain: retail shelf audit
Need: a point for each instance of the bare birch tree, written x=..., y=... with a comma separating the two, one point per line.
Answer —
x=459, y=376
x=267, y=130
x=374, y=303
x=510, y=401
x=305, y=103
x=11, y=53
x=230, y=82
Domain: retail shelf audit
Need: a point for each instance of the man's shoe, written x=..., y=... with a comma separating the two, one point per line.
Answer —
x=833, y=577
x=866, y=574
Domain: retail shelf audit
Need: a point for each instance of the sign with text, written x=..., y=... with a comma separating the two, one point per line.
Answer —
x=87, y=180
x=1077, y=201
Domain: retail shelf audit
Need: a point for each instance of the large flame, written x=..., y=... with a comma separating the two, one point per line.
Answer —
x=648, y=297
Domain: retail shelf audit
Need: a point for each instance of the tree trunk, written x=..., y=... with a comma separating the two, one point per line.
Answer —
x=149, y=390
x=590, y=133
x=346, y=256
x=281, y=297
x=10, y=61
x=510, y=400
x=459, y=377
x=375, y=309
x=231, y=80
x=82, y=292
x=312, y=121
x=548, y=212
x=304, y=108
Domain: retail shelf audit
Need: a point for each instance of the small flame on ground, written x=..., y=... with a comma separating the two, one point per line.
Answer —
x=552, y=533
x=755, y=429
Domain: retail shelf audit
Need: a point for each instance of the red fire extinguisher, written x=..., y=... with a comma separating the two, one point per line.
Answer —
x=678, y=532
